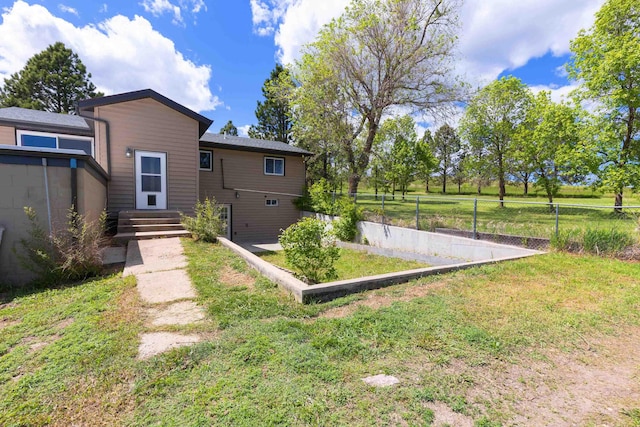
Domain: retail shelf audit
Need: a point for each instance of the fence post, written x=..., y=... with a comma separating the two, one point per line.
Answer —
x=475, y=219
x=557, y=219
x=418, y=213
x=382, y=208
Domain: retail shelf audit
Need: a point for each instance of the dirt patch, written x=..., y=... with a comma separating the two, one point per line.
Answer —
x=444, y=416
x=6, y=323
x=38, y=343
x=66, y=322
x=230, y=276
x=590, y=386
x=380, y=299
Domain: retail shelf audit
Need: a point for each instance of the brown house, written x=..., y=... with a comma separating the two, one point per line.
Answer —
x=138, y=151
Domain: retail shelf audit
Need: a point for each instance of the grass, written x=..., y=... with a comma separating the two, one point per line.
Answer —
x=517, y=217
x=271, y=361
x=353, y=263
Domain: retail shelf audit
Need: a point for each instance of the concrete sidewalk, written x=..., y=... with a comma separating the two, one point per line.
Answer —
x=166, y=290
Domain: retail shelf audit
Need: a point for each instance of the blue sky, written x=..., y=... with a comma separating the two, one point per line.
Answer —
x=214, y=55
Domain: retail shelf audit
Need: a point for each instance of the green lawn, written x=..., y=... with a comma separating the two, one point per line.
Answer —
x=470, y=341
x=524, y=216
x=353, y=263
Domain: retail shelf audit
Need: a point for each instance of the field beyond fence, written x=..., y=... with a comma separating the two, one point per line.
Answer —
x=515, y=221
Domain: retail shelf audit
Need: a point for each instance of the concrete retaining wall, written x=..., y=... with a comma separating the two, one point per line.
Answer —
x=435, y=244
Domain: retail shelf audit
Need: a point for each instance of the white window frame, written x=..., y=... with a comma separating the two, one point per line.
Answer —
x=57, y=136
x=210, y=163
x=272, y=204
x=274, y=167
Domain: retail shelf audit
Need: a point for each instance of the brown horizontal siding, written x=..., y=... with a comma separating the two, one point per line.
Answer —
x=148, y=125
x=7, y=135
x=251, y=219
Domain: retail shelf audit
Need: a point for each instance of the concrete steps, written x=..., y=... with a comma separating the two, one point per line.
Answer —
x=141, y=225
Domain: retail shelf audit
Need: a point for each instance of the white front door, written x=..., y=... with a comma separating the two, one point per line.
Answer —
x=151, y=180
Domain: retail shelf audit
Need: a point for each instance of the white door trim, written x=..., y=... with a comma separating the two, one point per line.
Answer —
x=156, y=198
x=226, y=216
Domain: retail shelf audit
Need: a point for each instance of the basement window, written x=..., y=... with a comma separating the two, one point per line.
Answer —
x=271, y=202
x=55, y=141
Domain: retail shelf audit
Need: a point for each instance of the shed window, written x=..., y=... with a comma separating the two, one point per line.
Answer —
x=206, y=160
x=271, y=202
x=51, y=140
x=274, y=166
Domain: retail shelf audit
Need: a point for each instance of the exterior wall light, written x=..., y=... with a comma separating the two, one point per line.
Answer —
x=128, y=152
x=237, y=195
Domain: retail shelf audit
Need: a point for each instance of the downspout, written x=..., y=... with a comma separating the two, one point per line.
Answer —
x=73, y=164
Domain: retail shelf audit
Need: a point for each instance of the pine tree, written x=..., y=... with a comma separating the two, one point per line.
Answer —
x=53, y=80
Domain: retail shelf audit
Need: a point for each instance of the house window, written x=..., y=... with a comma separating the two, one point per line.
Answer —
x=271, y=202
x=55, y=141
x=206, y=160
x=274, y=166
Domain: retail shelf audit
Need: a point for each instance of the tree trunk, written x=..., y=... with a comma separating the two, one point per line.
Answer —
x=354, y=181
x=526, y=187
x=444, y=183
x=618, y=202
x=426, y=184
x=459, y=186
x=479, y=186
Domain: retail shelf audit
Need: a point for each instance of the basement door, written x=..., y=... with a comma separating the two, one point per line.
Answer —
x=225, y=215
x=151, y=180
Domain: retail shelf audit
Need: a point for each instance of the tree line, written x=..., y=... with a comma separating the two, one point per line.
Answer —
x=382, y=57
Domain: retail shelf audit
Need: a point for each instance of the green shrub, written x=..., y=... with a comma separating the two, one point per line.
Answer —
x=310, y=250
x=322, y=199
x=345, y=228
x=207, y=224
x=66, y=255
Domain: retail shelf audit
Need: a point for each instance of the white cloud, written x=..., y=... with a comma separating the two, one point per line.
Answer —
x=122, y=54
x=501, y=34
x=243, y=130
x=104, y=8
x=558, y=93
x=159, y=7
x=68, y=9
x=496, y=35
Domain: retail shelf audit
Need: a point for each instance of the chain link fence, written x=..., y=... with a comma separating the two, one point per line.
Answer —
x=515, y=222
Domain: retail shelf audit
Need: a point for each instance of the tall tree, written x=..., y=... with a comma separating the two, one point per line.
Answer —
x=490, y=124
x=446, y=146
x=548, y=141
x=426, y=162
x=274, y=121
x=397, y=138
x=606, y=62
x=53, y=80
x=377, y=55
x=229, y=129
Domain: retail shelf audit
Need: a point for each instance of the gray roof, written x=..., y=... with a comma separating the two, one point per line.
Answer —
x=251, y=144
x=26, y=116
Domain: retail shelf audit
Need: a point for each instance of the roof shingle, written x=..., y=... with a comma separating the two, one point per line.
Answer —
x=251, y=144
